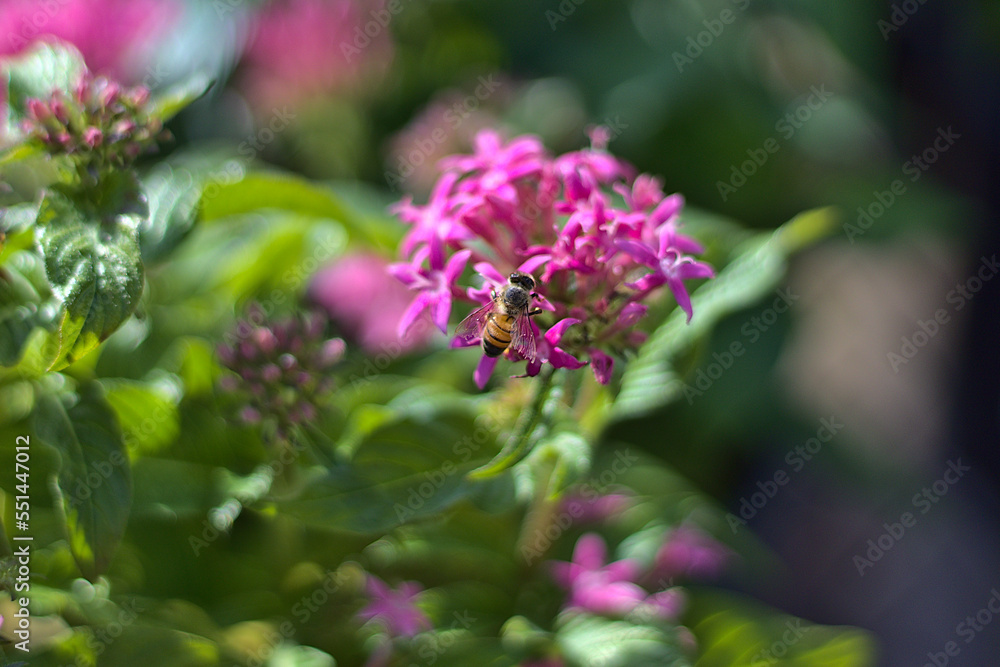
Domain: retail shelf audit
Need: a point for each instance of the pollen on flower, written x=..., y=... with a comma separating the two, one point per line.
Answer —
x=598, y=239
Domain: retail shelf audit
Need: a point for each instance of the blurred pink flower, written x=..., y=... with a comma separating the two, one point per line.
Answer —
x=589, y=508
x=689, y=552
x=114, y=36
x=445, y=126
x=395, y=609
x=310, y=48
x=595, y=586
x=367, y=303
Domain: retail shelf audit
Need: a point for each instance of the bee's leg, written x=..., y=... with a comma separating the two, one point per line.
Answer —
x=534, y=312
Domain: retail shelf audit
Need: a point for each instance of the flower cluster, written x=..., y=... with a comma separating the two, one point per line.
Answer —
x=597, y=238
x=102, y=123
x=280, y=371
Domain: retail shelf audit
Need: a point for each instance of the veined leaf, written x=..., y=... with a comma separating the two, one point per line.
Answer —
x=93, y=263
x=405, y=470
x=94, y=483
x=650, y=380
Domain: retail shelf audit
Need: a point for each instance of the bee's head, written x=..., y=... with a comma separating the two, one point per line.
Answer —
x=522, y=280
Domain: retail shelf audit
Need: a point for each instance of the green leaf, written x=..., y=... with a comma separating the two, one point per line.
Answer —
x=650, y=380
x=19, y=302
x=94, y=484
x=19, y=152
x=44, y=68
x=92, y=261
x=588, y=640
x=173, y=196
x=148, y=417
x=408, y=469
x=294, y=195
x=168, y=103
x=735, y=631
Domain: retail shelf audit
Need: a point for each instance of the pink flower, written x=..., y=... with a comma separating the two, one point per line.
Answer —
x=513, y=207
x=670, y=267
x=595, y=586
x=347, y=290
x=586, y=509
x=115, y=37
x=436, y=285
x=305, y=49
x=395, y=610
x=687, y=551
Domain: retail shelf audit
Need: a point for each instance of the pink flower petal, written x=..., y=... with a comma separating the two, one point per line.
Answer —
x=640, y=251
x=602, y=365
x=456, y=265
x=484, y=370
x=411, y=313
x=557, y=330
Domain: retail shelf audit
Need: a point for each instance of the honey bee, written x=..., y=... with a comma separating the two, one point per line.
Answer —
x=503, y=322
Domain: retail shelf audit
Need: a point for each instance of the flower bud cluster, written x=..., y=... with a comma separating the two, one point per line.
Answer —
x=280, y=372
x=102, y=124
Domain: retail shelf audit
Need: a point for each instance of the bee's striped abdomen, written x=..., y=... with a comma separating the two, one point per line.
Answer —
x=496, y=334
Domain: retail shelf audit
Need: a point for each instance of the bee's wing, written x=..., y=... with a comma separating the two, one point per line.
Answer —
x=472, y=326
x=522, y=337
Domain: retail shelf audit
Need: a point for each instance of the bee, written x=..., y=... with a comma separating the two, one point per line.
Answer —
x=503, y=322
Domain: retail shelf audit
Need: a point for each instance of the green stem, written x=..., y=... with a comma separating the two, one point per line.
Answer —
x=519, y=444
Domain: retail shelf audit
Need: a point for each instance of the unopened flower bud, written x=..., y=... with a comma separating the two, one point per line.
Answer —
x=266, y=341
x=92, y=137
x=331, y=352
x=270, y=373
